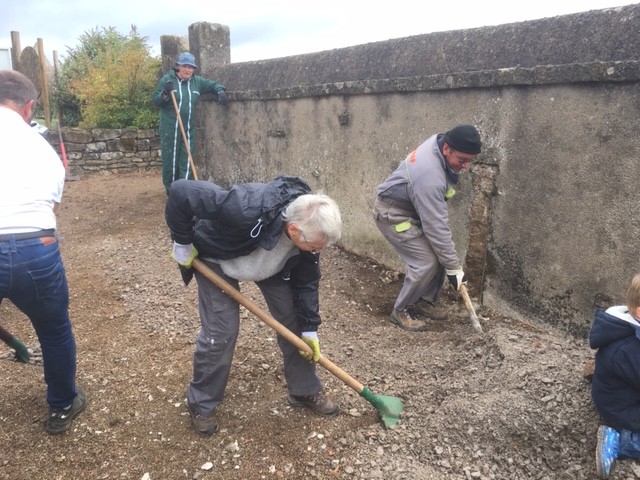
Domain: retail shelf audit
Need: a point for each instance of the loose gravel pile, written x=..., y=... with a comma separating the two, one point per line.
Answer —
x=511, y=403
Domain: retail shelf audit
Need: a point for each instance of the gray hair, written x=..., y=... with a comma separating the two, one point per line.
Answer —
x=16, y=87
x=317, y=215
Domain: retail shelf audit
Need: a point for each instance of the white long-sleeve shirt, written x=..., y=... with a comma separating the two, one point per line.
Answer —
x=31, y=177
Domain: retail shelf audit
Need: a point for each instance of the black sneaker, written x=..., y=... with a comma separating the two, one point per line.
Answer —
x=318, y=404
x=60, y=419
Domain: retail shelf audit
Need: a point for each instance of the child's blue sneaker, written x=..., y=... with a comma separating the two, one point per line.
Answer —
x=607, y=450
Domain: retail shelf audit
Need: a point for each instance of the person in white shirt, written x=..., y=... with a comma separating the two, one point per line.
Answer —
x=32, y=274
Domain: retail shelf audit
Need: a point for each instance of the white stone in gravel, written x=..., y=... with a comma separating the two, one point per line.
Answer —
x=232, y=447
x=206, y=466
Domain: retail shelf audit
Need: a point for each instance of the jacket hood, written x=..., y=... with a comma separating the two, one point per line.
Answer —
x=611, y=325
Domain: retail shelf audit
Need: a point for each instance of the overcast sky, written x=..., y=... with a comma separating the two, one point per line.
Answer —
x=267, y=29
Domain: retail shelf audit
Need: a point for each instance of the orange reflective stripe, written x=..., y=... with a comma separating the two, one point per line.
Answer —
x=412, y=157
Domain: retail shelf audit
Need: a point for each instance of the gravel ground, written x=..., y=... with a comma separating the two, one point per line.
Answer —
x=510, y=403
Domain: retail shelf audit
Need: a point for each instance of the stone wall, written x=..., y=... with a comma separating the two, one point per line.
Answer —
x=108, y=150
x=545, y=222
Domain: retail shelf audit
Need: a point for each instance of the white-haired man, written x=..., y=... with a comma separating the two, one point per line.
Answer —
x=272, y=234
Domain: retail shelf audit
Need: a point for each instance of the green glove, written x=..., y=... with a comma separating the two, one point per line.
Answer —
x=311, y=339
x=184, y=254
x=22, y=354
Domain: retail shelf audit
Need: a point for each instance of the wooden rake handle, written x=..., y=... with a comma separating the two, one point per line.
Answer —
x=184, y=135
x=280, y=329
x=472, y=313
x=5, y=336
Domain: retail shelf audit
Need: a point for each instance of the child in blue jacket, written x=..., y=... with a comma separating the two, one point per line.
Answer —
x=615, y=390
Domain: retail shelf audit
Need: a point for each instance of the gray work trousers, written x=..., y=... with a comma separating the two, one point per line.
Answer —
x=424, y=276
x=216, y=341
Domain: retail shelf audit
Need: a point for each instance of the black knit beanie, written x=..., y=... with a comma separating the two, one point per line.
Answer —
x=464, y=138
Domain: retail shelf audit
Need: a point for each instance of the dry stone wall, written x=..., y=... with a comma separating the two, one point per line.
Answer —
x=110, y=150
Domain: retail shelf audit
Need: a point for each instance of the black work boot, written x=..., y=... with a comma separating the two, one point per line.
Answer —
x=318, y=404
x=430, y=310
x=201, y=424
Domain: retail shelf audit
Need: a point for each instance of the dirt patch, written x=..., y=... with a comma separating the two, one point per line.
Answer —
x=507, y=404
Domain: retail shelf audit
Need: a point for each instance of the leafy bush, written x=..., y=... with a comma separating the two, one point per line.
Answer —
x=107, y=82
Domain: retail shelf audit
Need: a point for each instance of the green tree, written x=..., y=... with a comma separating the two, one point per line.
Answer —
x=107, y=81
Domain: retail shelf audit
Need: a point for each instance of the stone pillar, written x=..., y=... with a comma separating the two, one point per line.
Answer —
x=170, y=47
x=211, y=45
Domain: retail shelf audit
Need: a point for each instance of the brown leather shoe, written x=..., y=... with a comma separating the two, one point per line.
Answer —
x=318, y=404
x=201, y=424
x=405, y=320
x=430, y=310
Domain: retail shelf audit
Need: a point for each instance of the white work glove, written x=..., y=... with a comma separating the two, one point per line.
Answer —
x=456, y=278
x=311, y=339
x=184, y=254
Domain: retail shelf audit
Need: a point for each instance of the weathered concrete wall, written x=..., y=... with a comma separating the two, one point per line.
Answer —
x=557, y=102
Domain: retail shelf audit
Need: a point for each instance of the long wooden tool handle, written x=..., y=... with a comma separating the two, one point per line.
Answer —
x=6, y=337
x=280, y=329
x=63, y=151
x=184, y=135
x=472, y=313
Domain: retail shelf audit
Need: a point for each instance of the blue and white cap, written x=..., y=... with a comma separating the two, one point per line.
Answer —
x=186, y=58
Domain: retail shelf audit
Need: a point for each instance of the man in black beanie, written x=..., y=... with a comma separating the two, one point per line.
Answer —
x=411, y=212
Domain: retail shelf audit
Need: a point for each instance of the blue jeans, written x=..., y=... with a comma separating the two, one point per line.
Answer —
x=629, y=444
x=32, y=276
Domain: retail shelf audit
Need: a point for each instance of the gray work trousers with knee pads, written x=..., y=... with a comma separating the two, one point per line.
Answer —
x=216, y=341
x=424, y=276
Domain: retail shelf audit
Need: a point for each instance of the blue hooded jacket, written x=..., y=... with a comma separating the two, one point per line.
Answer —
x=615, y=388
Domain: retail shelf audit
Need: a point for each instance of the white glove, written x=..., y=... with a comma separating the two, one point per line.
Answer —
x=184, y=254
x=311, y=339
x=456, y=278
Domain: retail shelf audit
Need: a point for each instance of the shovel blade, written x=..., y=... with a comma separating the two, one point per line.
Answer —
x=390, y=408
x=22, y=354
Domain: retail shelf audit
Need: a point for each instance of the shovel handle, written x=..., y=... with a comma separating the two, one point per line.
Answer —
x=22, y=354
x=184, y=135
x=5, y=336
x=280, y=329
x=472, y=313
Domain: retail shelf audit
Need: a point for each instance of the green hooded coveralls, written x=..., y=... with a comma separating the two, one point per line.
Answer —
x=175, y=160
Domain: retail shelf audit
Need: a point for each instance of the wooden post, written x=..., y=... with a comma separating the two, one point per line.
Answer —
x=56, y=79
x=16, y=50
x=45, y=84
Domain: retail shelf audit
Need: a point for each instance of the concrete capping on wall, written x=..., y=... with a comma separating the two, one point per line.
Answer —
x=108, y=150
x=619, y=71
x=608, y=35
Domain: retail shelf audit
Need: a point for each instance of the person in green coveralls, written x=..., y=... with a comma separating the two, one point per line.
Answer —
x=187, y=89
